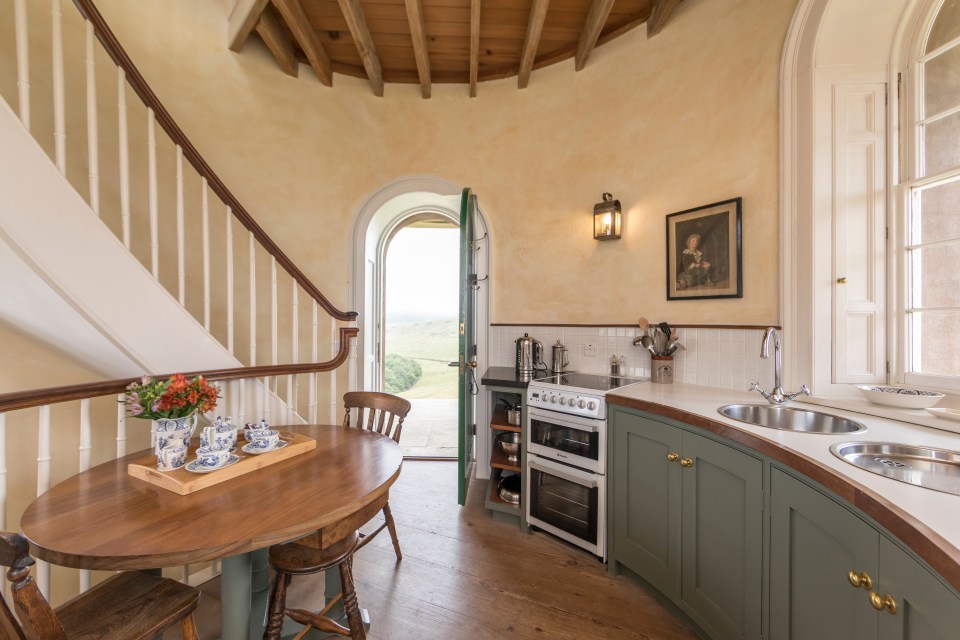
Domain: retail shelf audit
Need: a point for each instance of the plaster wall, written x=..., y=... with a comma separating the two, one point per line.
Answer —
x=677, y=121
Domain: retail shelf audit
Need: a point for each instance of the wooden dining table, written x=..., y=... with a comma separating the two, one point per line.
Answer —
x=106, y=519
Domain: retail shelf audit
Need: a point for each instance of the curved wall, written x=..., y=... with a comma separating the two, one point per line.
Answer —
x=686, y=118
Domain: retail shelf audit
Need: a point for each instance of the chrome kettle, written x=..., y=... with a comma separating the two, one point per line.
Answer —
x=529, y=355
x=560, y=360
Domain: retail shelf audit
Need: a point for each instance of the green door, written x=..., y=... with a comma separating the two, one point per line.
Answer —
x=468, y=343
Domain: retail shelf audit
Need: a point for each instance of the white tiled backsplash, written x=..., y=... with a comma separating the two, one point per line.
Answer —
x=725, y=358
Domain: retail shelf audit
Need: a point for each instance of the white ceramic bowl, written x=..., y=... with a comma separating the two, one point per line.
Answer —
x=899, y=397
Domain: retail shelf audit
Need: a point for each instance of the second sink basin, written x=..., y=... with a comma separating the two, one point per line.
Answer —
x=937, y=469
x=790, y=418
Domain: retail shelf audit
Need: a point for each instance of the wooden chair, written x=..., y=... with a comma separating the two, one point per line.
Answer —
x=383, y=413
x=300, y=558
x=124, y=607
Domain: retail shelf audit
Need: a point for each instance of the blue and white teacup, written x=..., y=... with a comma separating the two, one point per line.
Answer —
x=167, y=439
x=265, y=439
x=211, y=457
x=171, y=458
x=222, y=436
x=253, y=429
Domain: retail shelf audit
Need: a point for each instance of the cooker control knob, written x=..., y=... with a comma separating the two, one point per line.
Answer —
x=553, y=399
x=591, y=405
x=563, y=400
x=581, y=404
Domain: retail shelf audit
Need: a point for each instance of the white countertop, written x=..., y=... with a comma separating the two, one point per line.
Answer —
x=938, y=511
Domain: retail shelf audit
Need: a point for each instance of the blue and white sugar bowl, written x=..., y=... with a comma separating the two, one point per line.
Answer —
x=223, y=433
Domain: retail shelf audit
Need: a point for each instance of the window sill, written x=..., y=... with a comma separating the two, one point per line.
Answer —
x=913, y=416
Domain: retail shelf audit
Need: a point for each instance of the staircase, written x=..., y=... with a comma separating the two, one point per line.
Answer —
x=121, y=248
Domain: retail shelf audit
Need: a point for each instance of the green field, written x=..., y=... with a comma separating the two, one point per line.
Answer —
x=433, y=344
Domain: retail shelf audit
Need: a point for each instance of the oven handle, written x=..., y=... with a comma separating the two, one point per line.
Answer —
x=560, y=420
x=590, y=484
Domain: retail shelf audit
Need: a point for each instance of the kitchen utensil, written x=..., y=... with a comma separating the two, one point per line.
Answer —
x=665, y=328
x=512, y=411
x=509, y=489
x=643, y=324
x=509, y=442
x=899, y=397
x=660, y=342
x=560, y=359
x=647, y=343
x=529, y=355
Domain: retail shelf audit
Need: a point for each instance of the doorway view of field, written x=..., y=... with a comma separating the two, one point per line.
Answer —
x=421, y=312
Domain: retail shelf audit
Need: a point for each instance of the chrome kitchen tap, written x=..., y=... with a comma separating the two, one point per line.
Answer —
x=777, y=396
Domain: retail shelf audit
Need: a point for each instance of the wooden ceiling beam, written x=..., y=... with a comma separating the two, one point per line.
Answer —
x=596, y=19
x=269, y=29
x=353, y=13
x=659, y=15
x=538, y=13
x=293, y=14
x=242, y=21
x=474, y=46
x=419, y=36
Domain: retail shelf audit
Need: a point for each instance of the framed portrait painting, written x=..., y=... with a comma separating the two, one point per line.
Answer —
x=704, y=252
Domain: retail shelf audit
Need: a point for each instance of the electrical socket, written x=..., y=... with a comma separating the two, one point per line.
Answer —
x=589, y=350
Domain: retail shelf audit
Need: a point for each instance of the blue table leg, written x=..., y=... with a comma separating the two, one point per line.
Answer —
x=260, y=593
x=235, y=591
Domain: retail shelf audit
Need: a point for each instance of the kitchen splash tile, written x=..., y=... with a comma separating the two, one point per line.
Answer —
x=621, y=332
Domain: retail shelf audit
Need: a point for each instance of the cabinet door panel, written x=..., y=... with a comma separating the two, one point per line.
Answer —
x=814, y=542
x=926, y=608
x=646, y=512
x=723, y=537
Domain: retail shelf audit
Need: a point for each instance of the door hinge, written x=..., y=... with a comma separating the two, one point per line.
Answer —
x=461, y=328
x=899, y=84
x=888, y=367
x=887, y=230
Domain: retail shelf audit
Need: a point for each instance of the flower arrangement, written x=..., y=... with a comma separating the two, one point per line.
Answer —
x=175, y=397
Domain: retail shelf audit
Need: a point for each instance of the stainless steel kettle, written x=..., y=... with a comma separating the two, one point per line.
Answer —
x=529, y=355
x=560, y=360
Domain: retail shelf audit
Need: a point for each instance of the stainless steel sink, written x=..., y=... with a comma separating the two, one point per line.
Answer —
x=937, y=469
x=790, y=418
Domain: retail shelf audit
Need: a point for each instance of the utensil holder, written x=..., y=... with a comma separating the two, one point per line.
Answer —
x=661, y=369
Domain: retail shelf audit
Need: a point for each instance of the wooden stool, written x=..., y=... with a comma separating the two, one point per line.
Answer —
x=292, y=559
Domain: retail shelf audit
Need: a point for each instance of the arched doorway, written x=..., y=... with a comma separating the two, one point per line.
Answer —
x=393, y=207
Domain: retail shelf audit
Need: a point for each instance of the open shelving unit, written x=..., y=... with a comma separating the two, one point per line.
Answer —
x=500, y=465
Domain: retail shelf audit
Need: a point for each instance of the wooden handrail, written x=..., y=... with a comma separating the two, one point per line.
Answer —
x=53, y=395
x=121, y=59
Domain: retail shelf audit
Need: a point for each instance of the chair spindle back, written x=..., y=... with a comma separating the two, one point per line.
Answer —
x=380, y=412
x=37, y=620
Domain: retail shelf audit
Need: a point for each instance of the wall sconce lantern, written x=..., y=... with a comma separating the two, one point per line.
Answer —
x=606, y=219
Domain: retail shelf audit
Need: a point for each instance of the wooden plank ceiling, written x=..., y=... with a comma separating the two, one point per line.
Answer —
x=437, y=41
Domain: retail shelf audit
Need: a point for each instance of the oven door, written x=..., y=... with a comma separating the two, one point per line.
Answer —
x=567, y=502
x=568, y=439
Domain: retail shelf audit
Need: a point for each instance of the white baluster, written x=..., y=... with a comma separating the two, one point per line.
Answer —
x=314, y=357
x=181, y=257
x=242, y=413
x=333, y=374
x=274, y=310
x=86, y=440
x=43, y=484
x=93, y=139
x=294, y=352
x=205, y=223
x=23, y=60
x=152, y=193
x=3, y=472
x=352, y=362
x=229, y=280
x=121, y=426
x=124, y=153
x=266, y=398
x=59, y=101
x=253, y=300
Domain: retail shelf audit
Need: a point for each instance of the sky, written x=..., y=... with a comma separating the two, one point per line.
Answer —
x=423, y=268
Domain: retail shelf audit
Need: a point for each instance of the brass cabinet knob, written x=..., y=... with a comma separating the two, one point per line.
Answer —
x=673, y=457
x=860, y=580
x=841, y=281
x=885, y=601
x=686, y=462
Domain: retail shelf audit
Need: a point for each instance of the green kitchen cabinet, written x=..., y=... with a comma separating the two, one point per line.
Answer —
x=814, y=543
x=687, y=516
x=924, y=608
x=820, y=550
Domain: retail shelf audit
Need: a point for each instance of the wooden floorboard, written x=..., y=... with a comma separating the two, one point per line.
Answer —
x=466, y=576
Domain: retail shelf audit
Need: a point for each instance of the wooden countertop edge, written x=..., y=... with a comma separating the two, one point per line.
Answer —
x=936, y=551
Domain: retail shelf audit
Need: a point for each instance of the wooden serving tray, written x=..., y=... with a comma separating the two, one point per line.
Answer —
x=184, y=482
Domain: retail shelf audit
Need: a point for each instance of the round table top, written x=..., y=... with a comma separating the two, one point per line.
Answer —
x=104, y=518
